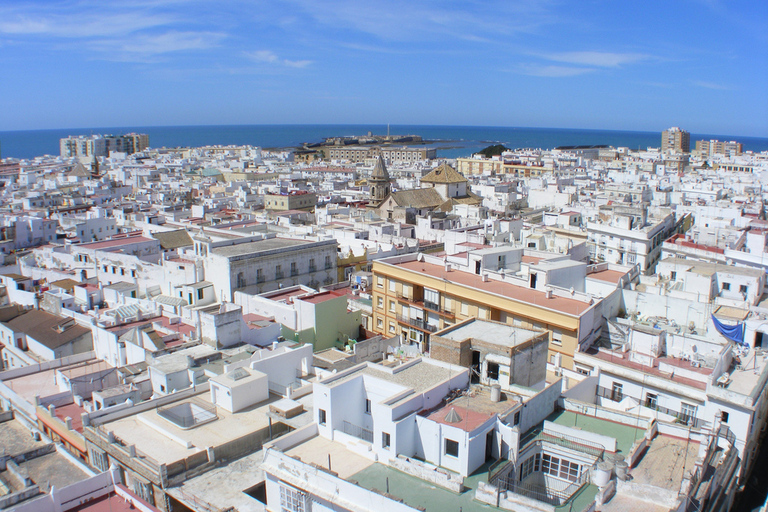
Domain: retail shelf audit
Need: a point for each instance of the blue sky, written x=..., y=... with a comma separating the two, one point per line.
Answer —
x=698, y=64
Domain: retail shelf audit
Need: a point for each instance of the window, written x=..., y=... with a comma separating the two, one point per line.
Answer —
x=321, y=416
x=385, y=440
x=100, y=459
x=516, y=420
x=687, y=413
x=673, y=275
x=743, y=288
x=651, y=400
x=726, y=286
x=724, y=416
x=379, y=323
x=392, y=285
x=431, y=299
x=367, y=406
x=380, y=281
x=464, y=309
x=617, y=392
x=530, y=465
x=451, y=448
x=380, y=302
x=392, y=306
x=557, y=338
x=292, y=500
x=392, y=328
x=199, y=294
x=493, y=371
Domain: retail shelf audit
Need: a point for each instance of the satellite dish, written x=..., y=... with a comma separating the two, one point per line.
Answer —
x=695, y=349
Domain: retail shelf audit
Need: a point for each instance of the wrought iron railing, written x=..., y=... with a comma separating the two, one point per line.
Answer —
x=416, y=322
x=539, y=436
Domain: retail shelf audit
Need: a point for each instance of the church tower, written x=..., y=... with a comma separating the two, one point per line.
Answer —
x=379, y=182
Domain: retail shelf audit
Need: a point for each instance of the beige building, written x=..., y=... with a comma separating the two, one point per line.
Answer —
x=676, y=140
x=415, y=296
x=293, y=201
x=359, y=154
x=716, y=147
x=491, y=166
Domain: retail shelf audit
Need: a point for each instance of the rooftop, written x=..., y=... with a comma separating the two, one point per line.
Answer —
x=610, y=276
x=490, y=332
x=418, y=376
x=519, y=293
x=50, y=330
x=269, y=244
x=167, y=443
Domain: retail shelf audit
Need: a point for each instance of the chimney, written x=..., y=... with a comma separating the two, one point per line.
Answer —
x=52, y=410
x=447, y=267
x=68, y=422
x=485, y=278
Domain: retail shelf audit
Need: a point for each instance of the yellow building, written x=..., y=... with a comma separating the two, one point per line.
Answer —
x=468, y=166
x=349, y=263
x=414, y=296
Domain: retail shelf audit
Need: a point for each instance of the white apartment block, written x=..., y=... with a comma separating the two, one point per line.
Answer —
x=627, y=237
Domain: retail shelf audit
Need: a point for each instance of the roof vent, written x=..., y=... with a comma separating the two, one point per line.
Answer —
x=452, y=417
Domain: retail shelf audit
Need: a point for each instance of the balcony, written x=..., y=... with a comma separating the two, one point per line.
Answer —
x=279, y=274
x=417, y=323
x=260, y=279
x=312, y=268
x=294, y=272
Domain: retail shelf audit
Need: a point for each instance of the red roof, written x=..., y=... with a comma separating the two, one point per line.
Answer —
x=520, y=293
x=470, y=419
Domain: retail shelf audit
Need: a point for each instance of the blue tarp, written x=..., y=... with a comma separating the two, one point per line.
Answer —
x=732, y=332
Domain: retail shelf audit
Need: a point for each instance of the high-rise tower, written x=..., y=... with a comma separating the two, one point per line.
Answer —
x=675, y=140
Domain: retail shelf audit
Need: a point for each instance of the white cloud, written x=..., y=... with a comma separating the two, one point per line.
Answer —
x=554, y=71
x=599, y=59
x=712, y=85
x=270, y=57
x=262, y=56
x=155, y=44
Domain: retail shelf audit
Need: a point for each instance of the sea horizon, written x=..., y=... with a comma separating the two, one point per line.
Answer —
x=451, y=141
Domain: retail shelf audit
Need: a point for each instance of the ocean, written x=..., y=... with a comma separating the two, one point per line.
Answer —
x=450, y=141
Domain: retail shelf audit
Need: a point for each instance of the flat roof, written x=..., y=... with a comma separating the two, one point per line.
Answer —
x=609, y=276
x=625, y=435
x=519, y=293
x=419, y=376
x=419, y=493
x=489, y=332
x=151, y=433
x=319, y=450
x=665, y=462
x=119, y=242
x=269, y=244
x=320, y=297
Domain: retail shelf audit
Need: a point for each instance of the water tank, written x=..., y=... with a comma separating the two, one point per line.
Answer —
x=602, y=474
x=495, y=393
x=622, y=468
